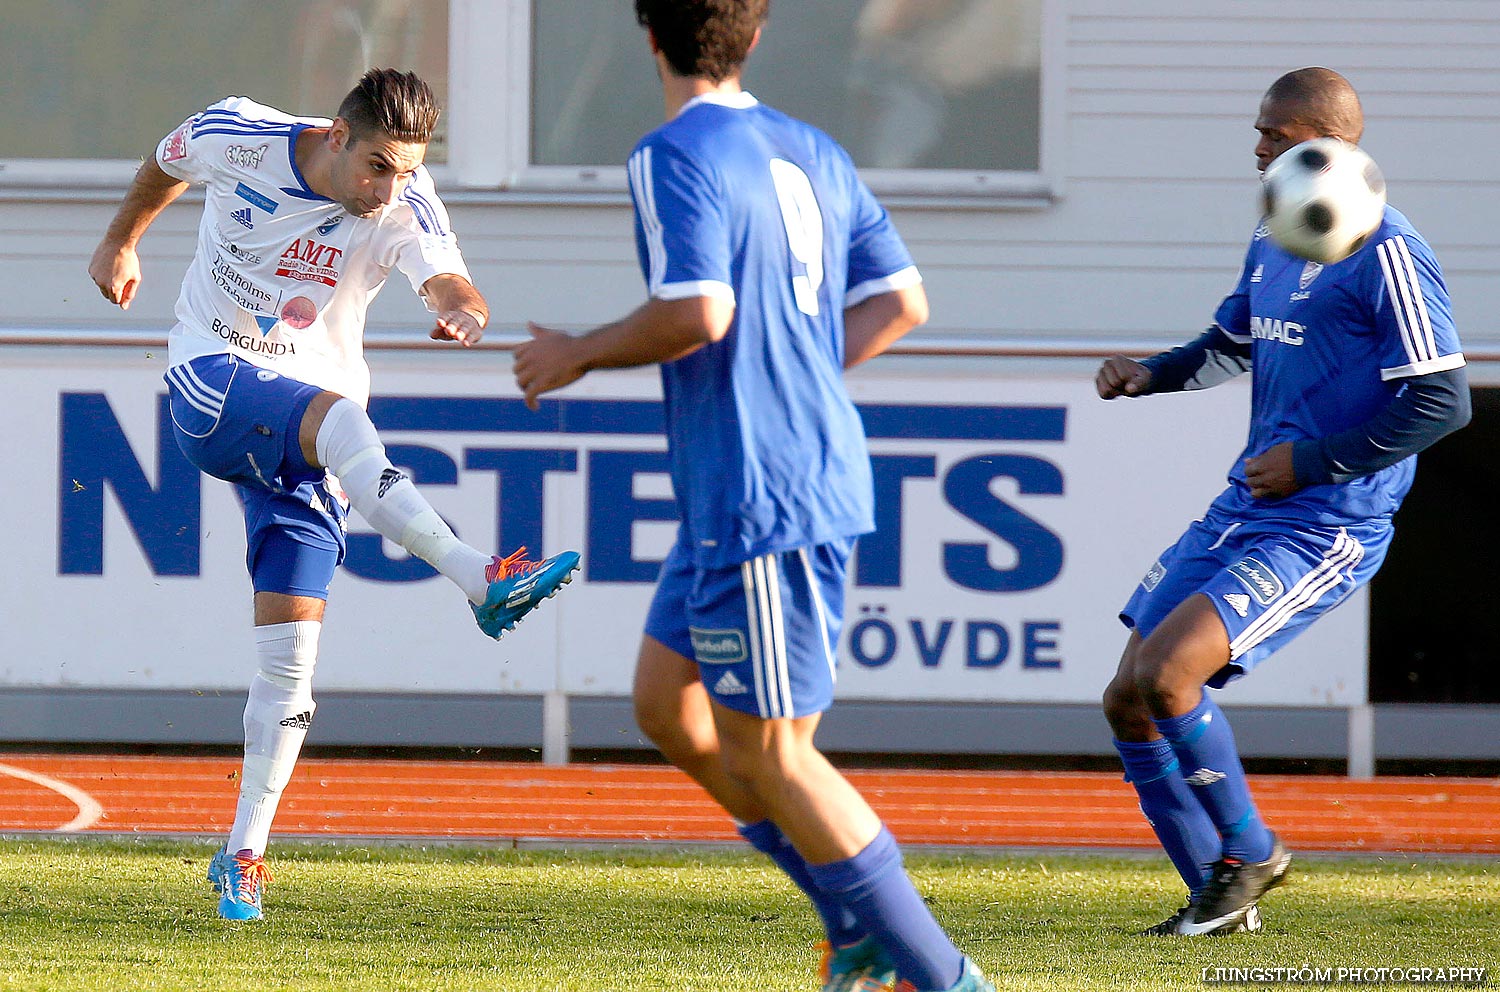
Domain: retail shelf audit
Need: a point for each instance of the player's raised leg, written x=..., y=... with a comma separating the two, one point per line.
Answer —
x=337, y=434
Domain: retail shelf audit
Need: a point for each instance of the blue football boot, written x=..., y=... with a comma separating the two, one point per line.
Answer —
x=860, y=967
x=240, y=879
x=517, y=585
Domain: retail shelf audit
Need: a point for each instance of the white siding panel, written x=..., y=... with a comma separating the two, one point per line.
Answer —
x=1157, y=187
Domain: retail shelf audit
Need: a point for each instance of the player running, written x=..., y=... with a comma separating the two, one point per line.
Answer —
x=304, y=219
x=770, y=269
x=1357, y=368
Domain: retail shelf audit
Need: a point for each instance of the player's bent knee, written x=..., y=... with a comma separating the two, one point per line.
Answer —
x=1164, y=690
x=664, y=730
x=347, y=437
x=1122, y=702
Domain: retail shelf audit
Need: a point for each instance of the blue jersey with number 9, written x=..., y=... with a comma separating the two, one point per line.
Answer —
x=736, y=200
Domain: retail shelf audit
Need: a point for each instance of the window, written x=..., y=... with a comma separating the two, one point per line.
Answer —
x=542, y=96
x=87, y=80
x=902, y=84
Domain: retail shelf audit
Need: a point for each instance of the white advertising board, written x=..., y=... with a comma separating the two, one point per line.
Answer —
x=1017, y=512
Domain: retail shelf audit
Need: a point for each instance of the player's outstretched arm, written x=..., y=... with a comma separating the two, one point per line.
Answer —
x=1121, y=376
x=657, y=331
x=462, y=314
x=115, y=267
x=1207, y=360
x=873, y=325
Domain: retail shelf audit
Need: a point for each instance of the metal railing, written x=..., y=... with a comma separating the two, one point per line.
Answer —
x=507, y=338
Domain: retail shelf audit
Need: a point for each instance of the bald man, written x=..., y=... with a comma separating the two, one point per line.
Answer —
x=1357, y=368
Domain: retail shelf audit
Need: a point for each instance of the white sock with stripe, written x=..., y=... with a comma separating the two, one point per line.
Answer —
x=277, y=714
x=348, y=444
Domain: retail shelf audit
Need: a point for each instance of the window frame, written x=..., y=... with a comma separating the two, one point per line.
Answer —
x=489, y=139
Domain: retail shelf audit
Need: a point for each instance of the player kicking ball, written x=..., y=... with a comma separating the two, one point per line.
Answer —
x=304, y=218
x=770, y=269
x=1357, y=368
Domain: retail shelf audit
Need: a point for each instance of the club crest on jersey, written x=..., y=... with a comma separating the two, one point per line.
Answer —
x=245, y=158
x=718, y=647
x=1153, y=576
x=1309, y=273
x=326, y=228
x=1260, y=580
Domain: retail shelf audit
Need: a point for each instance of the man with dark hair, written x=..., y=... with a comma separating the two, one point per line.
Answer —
x=1357, y=368
x=398, y=104
x=304, y=218
x=770, y=269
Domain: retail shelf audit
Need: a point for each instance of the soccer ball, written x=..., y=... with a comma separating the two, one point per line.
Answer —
x=1323, y=199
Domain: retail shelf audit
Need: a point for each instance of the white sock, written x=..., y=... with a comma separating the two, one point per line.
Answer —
x=350, y=447
x=277, y=716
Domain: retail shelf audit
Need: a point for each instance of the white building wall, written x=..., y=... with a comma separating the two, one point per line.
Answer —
x=1156, y=198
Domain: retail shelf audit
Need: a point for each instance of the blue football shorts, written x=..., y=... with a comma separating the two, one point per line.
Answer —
x=763, y=632
x=238, y=422
x=1267, y=579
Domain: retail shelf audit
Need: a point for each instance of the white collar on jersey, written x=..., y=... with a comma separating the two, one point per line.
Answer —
x=743, y=100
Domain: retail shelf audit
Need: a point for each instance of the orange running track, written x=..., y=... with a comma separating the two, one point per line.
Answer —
x=513, y=802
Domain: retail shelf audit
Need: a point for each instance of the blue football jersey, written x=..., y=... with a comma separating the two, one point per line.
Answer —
x=1330, y=345
x=736, y=200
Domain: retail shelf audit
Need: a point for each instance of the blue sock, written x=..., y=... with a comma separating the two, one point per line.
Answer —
x=1181, y=824
x=840, y=924
x=875, y=887
x=1204, y=745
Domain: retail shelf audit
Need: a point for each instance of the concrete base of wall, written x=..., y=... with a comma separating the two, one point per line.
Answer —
x=359, y=719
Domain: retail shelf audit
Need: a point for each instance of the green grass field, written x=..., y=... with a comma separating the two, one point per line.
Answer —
x=93, y=914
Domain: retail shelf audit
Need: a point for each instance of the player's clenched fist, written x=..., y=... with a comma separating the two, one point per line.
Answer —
x=1121, y=376
x=116, y=270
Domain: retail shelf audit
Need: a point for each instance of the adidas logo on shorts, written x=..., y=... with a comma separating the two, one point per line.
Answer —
x=1238, y=602
x=729, y=685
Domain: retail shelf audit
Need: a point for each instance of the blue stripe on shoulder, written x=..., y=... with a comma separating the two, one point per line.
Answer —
x=425, y=213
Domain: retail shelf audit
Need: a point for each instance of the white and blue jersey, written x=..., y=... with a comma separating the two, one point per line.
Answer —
x=283, y=276
x=1330, y=346
x=736, y=200
x=272, y=312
